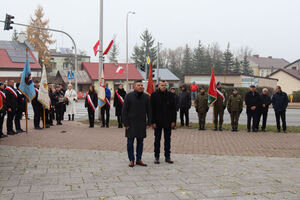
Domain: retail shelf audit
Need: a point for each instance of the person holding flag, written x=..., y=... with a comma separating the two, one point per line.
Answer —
x=91, y=103
x=44, y=98
x=219, y=107
x=118, y=103
x=37, y=107
x=105, y=108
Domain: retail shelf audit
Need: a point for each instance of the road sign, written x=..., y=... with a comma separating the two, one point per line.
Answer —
x=70, y=75
x=148, y=60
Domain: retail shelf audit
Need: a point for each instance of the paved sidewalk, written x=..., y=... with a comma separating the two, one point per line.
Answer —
x=42, y=174
x=75, y=135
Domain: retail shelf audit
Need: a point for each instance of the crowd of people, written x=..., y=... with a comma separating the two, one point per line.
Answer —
x=14, y=106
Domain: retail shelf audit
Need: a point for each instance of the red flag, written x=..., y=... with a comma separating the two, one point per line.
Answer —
x=120, y=70
x=212, y=90
x=150, y=87
x=109, y=46
x=96, y=47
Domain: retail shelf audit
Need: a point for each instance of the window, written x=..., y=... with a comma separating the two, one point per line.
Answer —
x=294, y=68
x=65, y=65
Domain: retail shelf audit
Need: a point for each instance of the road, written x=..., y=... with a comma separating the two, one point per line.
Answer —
x=293, y=115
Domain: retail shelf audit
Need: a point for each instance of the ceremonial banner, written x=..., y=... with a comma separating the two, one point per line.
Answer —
x=212, y=90
x=150, y=87
x=43, y=97
x=100, y=87
x=26, y=84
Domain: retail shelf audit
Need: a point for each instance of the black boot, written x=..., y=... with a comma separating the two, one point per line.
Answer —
x=69, y=117
x=73, y=117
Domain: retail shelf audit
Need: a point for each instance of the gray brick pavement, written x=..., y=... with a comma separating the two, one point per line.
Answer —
x=50, y=173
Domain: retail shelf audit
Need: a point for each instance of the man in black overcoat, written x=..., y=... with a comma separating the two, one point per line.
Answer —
x=163, y=118
x=136, y=115
x=118, y=103
x=252, y=100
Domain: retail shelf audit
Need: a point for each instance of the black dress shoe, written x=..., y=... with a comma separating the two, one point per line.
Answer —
x=248, y=130
x=20, y=131
x=3, y=136
x=168, y=160
x=11, y=133
x=284, y=131
x=215, y=129
x=38, y=128
x=220, y=129
x=156, y=161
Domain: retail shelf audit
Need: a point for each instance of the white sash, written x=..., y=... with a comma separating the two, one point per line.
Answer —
x=120, y=97
x=221, y=95
x=3, y=94
x=91, y=102
x=12, y=91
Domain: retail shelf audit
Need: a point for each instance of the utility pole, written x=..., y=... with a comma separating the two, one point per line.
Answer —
x=101, y=40
x=127, y=84
x=157, y=67
x=60, y=31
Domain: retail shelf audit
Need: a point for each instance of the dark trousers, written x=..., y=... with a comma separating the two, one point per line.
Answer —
x=9, y=121
x=264, y=115
x=18, y=117
x=105, y=112
x=47, y=115
x=120, y=121
x=51, y=116
x=167, y=141
x=201, y=118
x=59, y=110
x=252, y=115
x=2, y=115
x=278, y=115
x=218, y=116
x=38, y=113
x=235, y=115
x=139, y=148
x=184, y=112
x=91, y=117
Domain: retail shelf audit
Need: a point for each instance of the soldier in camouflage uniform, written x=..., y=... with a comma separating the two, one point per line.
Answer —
x=235, y=108
x=201, y=107
x=219, y=107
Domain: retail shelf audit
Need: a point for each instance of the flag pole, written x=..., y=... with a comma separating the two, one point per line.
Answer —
x=26, y=101
x=44, y=116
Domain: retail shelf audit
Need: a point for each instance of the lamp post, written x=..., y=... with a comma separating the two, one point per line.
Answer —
x=157, y=67
x=127, y=84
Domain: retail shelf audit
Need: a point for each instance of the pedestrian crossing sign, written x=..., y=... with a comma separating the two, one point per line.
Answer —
x=70, y=75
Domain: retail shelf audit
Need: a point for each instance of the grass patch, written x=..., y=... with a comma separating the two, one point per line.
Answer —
x=208, y=126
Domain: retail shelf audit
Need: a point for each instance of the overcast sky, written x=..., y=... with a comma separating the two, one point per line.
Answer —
x=269, y=27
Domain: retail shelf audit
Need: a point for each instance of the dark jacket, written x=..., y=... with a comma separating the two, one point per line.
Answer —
x=265, y=99
x=11, y=99
x=201, y=103
x=235, y=103
x=136, y=114
x=184, y=100
x=94, y=98
x=117, y=102
x=163, y=108
x=4, y=107
x=252, y=99
x=35, y=102
x=176, y=99
x=21, y=102
x=280, y=101
x=57, y=96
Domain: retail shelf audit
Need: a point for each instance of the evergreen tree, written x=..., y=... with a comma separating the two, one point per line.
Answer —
x=15, y=35
x=40, y=39
x=246, y=66
x=187, y=62
x=141, y=53
x=236, y=67
x=199, y=59
x=228, y=60
x=113, y=54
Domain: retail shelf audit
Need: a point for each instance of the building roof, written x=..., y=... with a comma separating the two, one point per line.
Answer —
x=83, y=77
x=110, y=69
x=291, y=72
x=268, y=62
x=12, y=55
x=235, y=74
x=164, y=74
x=291, y=63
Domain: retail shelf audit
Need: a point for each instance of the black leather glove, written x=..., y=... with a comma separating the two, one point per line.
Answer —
x=197, y=110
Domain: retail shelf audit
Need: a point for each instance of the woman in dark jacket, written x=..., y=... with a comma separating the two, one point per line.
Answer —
x=91, y=103
x=118, y=103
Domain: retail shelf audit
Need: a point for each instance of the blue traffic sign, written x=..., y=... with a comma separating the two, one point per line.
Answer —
x=70, y=75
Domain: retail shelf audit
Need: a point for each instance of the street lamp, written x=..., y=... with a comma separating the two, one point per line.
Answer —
x=157, y=67
x=129, y=12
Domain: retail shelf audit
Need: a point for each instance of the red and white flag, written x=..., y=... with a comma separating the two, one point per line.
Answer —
x=120, y=70
x=96, y=47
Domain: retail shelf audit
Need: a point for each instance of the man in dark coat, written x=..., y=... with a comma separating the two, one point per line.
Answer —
x=2, y=110
x=265, y=101
x=163, y=118
x=176, y=98
x=12, y=102
x=280, y=102
x=20, y=109
x=219, y=107
x=136, y=115
x=201, y=107
x=37, y=107
x=252, y=100
x=118, y=103
x=184, y=105
x=59, y=104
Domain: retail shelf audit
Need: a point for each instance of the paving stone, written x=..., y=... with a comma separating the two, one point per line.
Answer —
x=156, y=196
x=106, y=192
x=16, y=189
x=29, y=196
x=65, y=195
x=49, y=188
